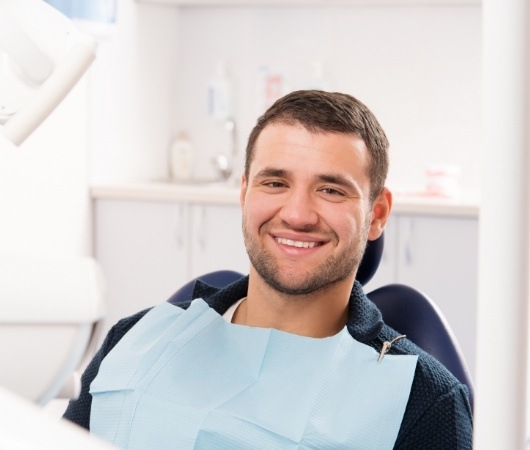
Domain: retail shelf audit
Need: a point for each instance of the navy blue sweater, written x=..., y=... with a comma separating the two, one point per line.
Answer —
x=438, y=415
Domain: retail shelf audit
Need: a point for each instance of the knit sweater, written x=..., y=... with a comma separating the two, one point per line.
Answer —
x=437, y=416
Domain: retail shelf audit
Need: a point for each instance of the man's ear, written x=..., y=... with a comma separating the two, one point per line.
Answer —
x=380, y=211
x=243, y=192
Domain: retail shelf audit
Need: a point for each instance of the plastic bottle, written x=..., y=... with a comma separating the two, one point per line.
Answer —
x=271, y=86
x=181, y=158
x=220, y=100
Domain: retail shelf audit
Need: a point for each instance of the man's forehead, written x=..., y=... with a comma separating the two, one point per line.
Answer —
x=311, y=128
x=289, y=151
x=281, y=137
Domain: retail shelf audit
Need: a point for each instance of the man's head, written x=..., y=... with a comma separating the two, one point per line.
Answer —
x=313, y=192
x=320, y=111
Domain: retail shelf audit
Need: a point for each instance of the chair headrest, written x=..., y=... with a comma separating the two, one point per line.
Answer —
x=371, y=259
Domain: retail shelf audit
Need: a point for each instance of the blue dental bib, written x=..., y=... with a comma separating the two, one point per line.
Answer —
x=187, y=379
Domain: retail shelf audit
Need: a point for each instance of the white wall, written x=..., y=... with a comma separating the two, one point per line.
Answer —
x=113, y=126
x=504, y=250
x=130, y=93
x=416, y=67
x=44, y=202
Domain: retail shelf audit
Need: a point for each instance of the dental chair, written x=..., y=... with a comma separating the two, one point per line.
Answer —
x=404, y=308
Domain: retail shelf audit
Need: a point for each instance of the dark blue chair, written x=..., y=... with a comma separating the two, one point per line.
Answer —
x=413, y=313
x=219, y=279
x=404, y=308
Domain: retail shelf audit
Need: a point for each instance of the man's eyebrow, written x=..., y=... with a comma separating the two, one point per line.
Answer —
x=338, y=180
x=271, y=172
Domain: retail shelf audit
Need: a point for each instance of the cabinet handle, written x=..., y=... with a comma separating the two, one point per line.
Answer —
x=409, y=252
x=203, y=229
x=181, y=226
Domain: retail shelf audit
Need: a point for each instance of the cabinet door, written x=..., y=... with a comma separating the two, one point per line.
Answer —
x=142, y=248
x=217, y=242
x=439, y=257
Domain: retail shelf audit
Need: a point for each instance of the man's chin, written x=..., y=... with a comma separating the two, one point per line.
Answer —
x=287, y=287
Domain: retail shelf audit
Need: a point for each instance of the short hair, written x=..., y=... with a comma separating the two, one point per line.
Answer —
x=320, y=111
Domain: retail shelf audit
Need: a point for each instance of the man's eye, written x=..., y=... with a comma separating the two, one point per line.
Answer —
x=274, y=184
x=331, y=191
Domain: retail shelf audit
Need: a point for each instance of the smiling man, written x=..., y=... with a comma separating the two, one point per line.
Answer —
x=294, y=355
x=307, y=215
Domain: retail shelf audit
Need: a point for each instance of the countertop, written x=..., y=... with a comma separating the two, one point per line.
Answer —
x=465, y=205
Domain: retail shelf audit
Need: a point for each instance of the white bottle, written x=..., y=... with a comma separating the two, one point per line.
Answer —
x=181, y=158
x=220, y=100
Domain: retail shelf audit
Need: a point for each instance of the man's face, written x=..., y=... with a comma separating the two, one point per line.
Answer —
x=306, y=208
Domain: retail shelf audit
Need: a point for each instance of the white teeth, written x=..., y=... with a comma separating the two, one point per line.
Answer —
x=299, y=244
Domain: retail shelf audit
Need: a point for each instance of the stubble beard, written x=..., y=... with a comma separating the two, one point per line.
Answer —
x=333, y=270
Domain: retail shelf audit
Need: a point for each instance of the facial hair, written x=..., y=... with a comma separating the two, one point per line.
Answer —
x=334, y=269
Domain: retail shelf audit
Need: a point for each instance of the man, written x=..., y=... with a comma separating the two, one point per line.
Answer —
x=300, y=358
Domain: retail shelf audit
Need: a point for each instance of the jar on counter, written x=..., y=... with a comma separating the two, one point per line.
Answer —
x=181, y=156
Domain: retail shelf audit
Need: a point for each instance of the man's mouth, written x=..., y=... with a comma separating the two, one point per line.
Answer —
x=298, y=244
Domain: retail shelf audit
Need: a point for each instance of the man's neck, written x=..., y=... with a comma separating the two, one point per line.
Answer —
x=319, y=314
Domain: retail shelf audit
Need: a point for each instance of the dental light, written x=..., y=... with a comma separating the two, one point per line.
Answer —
x=50, y=307
x=47, y=307
x=42, y=56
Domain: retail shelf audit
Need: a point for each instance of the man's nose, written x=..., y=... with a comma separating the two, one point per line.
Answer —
x=299, y=209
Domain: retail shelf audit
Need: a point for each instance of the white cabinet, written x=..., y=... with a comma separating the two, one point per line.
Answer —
x=148, y=249
x=142, y=249
x=438, y=256
x=217, y=240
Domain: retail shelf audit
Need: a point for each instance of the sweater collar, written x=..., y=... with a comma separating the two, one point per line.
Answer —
x=364, y=323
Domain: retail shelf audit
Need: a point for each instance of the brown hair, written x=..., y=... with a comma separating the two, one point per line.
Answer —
x=320, y=111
